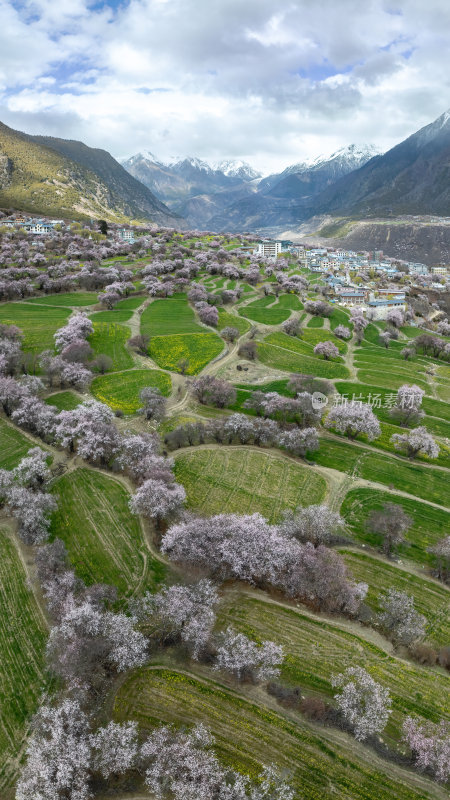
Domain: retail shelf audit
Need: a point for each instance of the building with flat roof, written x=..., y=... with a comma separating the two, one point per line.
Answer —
x=269, y=249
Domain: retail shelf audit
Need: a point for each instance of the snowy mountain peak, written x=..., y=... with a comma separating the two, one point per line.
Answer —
x=190, y=161
x=352, y=153
x=236, y=168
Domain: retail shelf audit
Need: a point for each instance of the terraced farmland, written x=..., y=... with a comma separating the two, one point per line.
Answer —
x=64, y=401
x=110, y=340
x=428, y=483
x=431, y=598
x=14, y=445
x=23, y=636
x=38, y=323
x=316, y=649
x=121, y=312
x=246, y=481
x=293, y=355
x=120, y=390
x=429, y=524
x=232, y=321
x=104, y=539
x=259, y=311
x=69, y=299
x=197, y=349
x=176, y=336
x=168, y=316
x=249, y=734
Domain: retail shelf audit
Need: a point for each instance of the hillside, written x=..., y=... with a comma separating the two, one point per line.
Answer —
x=411, y=178
x=303, y=613
x=57, y=177
x=423, y=240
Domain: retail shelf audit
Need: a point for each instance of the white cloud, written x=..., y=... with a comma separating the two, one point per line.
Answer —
x=271, y=81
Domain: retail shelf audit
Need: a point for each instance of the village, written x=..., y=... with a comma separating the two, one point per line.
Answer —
x=369, y=280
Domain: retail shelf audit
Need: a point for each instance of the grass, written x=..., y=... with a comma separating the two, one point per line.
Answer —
x=290, y=301
x=120, y=390
x=13, y=445
x=23, y=636
x=168, y=316
x=104, y=539
x=121, y=312
x=296, y=355
x=381, y=398
x=197, y=348
x=70, y=299
x=430, y=598
x=258, y=311
x=340, y=317
x=428, y=483
x=249, y=735
x=429, y=524
x=64, y=401
x=110, y=339
x=231, y=320
x=315, y=322
x=245, y=481
x=38, y=323
x=316, y=649
x=306, y=343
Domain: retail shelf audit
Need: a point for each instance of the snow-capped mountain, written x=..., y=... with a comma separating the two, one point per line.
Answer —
x=236, y=168
x=182, y=178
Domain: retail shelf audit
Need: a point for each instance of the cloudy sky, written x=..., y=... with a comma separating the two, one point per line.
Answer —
x=269, y=81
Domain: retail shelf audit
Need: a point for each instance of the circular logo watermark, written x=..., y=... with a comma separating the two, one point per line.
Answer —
x=319, y=401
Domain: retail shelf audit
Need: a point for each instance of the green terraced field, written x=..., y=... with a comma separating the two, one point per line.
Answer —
x=430, y=597
x=249, y=735
x=197, y=348
x=64, y=401
x=258, y=311
x=38, y=323
x=315, y=322
x=245, y=481
x=71, y=299
x=290, y=301
x=14, y=445
x=110, y=339
x=316, y=649
x=381, y=398
x=104, y=539
x=428, y=483
x=121, y=312
x=120, y=390
x=168, y=316
x=429, y=524
x=233, y=321
x=292, y=355
x=23, y=636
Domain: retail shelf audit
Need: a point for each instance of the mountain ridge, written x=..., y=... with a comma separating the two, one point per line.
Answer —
x=59, y=177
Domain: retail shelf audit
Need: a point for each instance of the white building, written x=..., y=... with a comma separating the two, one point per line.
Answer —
x=439, y=270
x=126, y=235
x=269, y=249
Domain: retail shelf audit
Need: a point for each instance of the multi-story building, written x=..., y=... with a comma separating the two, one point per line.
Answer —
x=126, y=235
x=417, y=269
x=269, y=249
x=440, y=270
